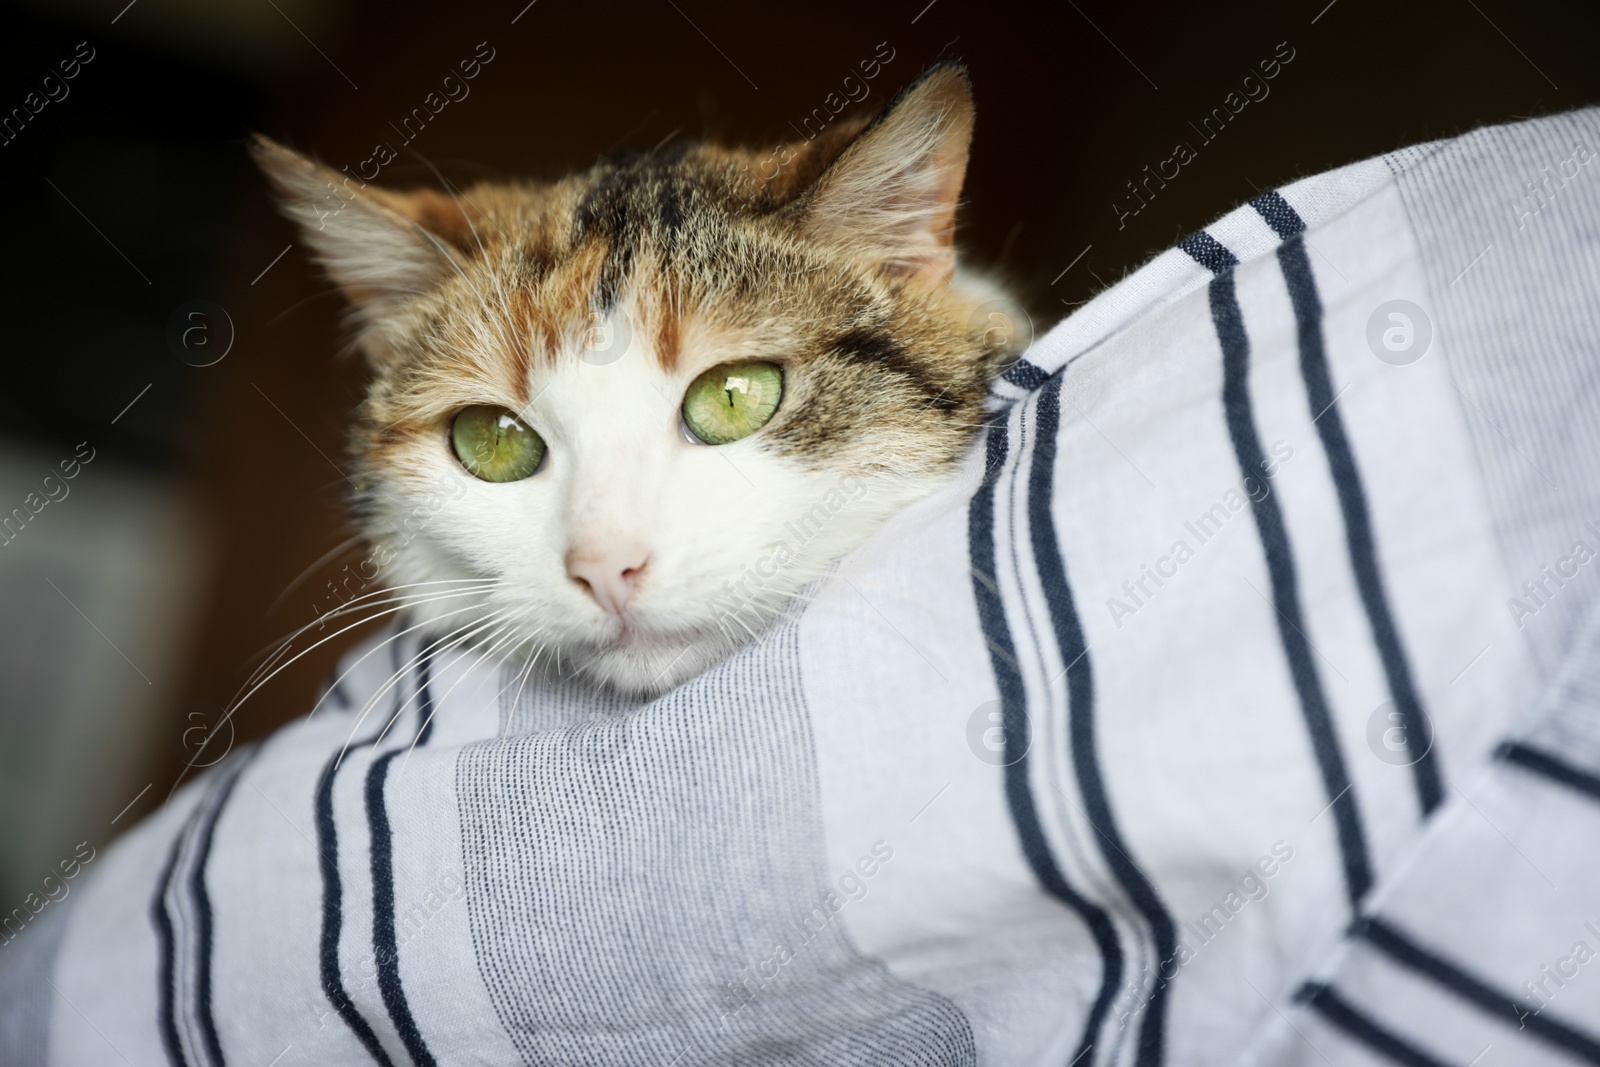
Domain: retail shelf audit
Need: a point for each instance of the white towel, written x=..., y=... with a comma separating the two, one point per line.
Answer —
x=1239, y=703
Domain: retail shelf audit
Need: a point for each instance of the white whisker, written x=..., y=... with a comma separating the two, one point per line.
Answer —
x=327, y=557
x=503, y=634
x=385, y=642
x=366, y=600
x=476, y=625
x=533, y=663
x=257, y=687
x=272, y=665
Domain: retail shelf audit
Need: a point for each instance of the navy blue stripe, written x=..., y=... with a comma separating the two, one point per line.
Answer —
x=1344, y=1015
x=1284, y=219
x=384, y=942
x=1400, y=947
x=425, y=697
x=1229, y=322
x=1013, y=702
x=167, y=991
x=1352, y=496
x=202, y=904
x=1552, y=767
x=332, y=909
x=202, y=824
x=1081, y=721
x=1025, y=375
x=1207, y=251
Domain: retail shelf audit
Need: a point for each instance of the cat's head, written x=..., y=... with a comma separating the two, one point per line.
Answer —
x=618, y=421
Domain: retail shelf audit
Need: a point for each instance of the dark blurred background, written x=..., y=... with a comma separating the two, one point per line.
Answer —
x=159, y=321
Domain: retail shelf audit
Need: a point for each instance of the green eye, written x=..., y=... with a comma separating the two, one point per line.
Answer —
x=493, y=444
x=731, y=401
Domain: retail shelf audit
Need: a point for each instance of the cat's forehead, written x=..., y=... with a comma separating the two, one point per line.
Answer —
x=693, y=216
x=649, y=260
x=684, y=218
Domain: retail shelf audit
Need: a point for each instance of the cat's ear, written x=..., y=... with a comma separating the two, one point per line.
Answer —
x=376, y=244
x=891, y=195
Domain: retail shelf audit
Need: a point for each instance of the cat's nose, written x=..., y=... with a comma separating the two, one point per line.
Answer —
x=608, y=574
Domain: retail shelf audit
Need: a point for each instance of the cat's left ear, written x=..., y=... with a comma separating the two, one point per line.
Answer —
x=379, y=245
x=891, y=195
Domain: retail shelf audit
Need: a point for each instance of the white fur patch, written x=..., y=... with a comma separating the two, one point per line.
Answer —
x=733, y=532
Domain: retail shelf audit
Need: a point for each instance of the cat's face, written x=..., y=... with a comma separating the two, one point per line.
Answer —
x=619, y=421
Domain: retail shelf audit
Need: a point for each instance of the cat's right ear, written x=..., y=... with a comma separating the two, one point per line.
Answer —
x=890, y=197
x=378, y=245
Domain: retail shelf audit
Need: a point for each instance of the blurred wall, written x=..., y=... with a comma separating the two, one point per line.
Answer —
x=158, y=309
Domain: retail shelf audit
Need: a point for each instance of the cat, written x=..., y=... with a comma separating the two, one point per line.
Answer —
x=662, y=396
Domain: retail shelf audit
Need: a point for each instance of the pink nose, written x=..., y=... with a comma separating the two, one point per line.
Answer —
x=608, y=574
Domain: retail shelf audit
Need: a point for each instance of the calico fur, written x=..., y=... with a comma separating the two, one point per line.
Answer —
x=841, y=268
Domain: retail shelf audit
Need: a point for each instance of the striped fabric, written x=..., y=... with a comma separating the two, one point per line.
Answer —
x=1239, y=703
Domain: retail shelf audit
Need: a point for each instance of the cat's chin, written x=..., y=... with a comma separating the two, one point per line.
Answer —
x=647, y=664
